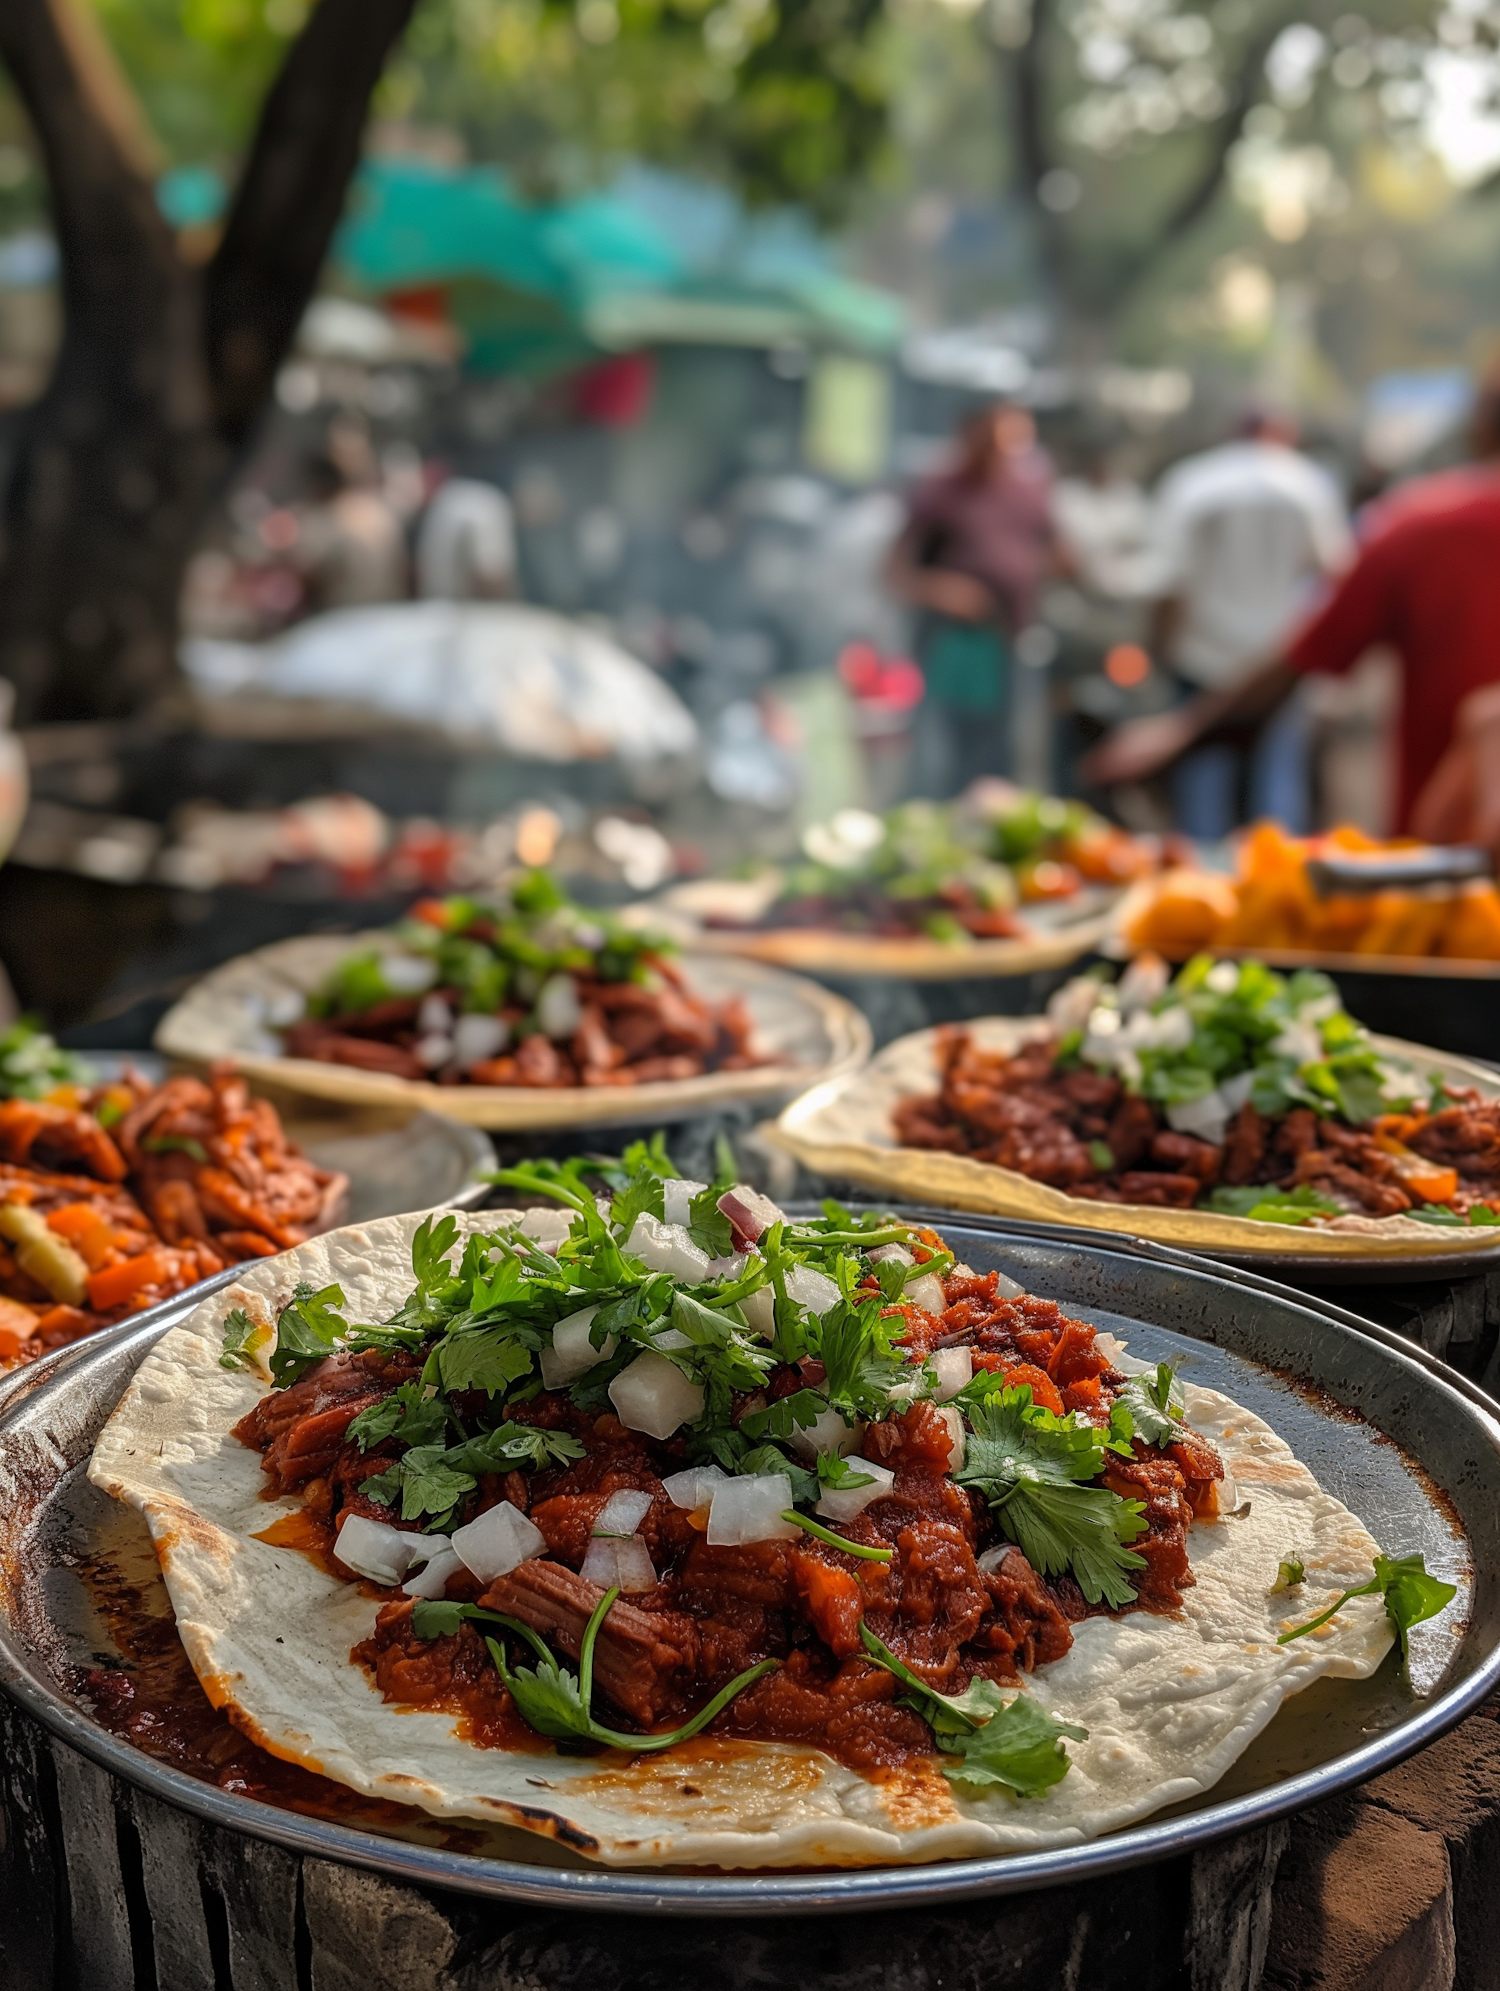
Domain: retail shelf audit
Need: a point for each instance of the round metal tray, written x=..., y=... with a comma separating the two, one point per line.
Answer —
x=1410, y=1446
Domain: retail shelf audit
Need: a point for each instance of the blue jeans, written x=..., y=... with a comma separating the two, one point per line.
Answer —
x=1217, y=787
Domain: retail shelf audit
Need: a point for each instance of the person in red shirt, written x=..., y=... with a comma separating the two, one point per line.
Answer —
x=1427, y=583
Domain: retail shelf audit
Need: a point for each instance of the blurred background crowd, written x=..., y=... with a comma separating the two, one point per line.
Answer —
x=690, y=421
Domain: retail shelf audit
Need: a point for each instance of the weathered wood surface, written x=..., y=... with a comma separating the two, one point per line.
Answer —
x=1395, y=1887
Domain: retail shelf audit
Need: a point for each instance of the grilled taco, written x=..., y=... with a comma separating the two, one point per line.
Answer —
x=688, y=1533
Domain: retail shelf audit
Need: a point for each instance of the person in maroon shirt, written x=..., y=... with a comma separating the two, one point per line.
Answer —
x=977, y=544
x=1427, y=583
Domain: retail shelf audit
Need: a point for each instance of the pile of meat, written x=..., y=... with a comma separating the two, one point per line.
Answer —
x=1023, y=1113
x=868, y=909
x=98, y=1222
x=943, y=1603
x=625, y=1034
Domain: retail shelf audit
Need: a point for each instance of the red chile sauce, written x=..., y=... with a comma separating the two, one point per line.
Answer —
x=717, y=1611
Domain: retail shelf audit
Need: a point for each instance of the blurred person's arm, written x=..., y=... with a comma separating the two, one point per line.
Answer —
x=1356, y=616
x=942, y=589
x=1461, y=801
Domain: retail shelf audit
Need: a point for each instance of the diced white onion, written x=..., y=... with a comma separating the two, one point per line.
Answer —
x=676, y=1196
x=891, y=1254
x=1070, y=1007
x=1235, y=1091
x=1223, y=978
x=1301, y=1042
x=558, y=1010
x=497, y=1542
x=572, y=1354
x=433, y=1051
x=958, y=1440
x=1006, y=1288
x=749, y=1212
x=408, y=974
x=991, y=1560
x=434, y=1018
x=547, y=1228
x=613, y=1563
x=1143, y=982
x=654, y=1396
x=377, y=1550
x=749, y=1509
x=623, y=1512
x=926, y=1293
x=812, y=1289
x=667, y=1248
x=671, y=1340
x=843, y=1503
x=477, y=1037
x=432, y=1579
x=1208, y=1117
x=759, y=1309
x=955, y=1370
x=694, y=1486
x=731, y=1267
x=828, y=1433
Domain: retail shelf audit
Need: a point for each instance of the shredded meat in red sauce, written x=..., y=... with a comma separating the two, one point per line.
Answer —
x=717, y=1611
x=1023, y=1113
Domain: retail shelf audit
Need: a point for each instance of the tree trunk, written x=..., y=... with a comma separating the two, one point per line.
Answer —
x=164, y=368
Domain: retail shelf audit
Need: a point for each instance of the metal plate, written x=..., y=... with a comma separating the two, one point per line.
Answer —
x=1411, y=1447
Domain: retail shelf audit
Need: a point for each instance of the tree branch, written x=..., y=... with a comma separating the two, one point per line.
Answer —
x=1203, y=190
x=289, y=200
x=1024, y=81
x=113, y=243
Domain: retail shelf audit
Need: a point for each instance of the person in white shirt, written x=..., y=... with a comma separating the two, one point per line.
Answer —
x=466, y=544
x=1243, y=535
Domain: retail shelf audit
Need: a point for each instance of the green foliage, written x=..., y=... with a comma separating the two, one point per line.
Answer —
x=307, y=1329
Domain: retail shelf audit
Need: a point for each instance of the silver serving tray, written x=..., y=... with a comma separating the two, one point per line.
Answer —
x=1410, y=1446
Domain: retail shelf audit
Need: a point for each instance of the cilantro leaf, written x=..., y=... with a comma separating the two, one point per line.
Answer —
x=1019, y=1747
x=241, y=1333
x=641, y=1196
x=1411, y=1596
x=546, y=1696
x=425, y=1480
x=1015, y=1743
x=1152, y=1405
x=514, y=1445
x=1029, y=1464
x=479, y=1361
x=788, y=1414
x=430, y=1248
x=307, y=1328
x=768, y=1459
x=708, y=1226
x=409, y=1413
x=839, y=1475
x=858, y=1355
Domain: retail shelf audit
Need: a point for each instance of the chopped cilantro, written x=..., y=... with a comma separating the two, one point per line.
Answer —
x=1102, y=1155
x=708, y=1226
x=1030, y=1464
x=558, y=1704
x=307, y=1328
x=1148, y=1408
x=412, y=1413
x=1410, y=1594
x=1015, y=1743
x=240, y=1335
x=822, y=1534
x=1289, y=1575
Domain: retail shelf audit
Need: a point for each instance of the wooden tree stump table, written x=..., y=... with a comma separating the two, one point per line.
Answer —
x=1395, y=1887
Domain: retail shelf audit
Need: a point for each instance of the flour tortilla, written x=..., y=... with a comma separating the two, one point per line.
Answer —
x=807, y=1035
x=843, y=1130
x=1056, y=934
x=1169, y=1702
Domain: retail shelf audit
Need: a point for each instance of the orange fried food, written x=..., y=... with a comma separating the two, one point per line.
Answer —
x=58, y=1134
x=1271, y=903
